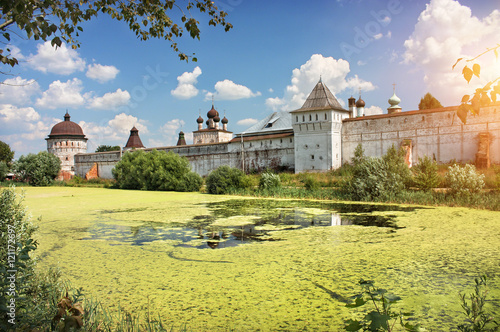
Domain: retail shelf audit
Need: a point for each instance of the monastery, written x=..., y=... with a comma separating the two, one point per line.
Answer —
x=319, y=136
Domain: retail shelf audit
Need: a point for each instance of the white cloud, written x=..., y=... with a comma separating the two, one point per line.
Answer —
x=275, y=103
x=361, y=63
x=446, y=31
x=389, y=34
x=10, y=114
x=18, y=91
x=228, y=90
x=271, y=90
x=124, y=122
x=170, y=131
x=101, y=73
x=373, y=110
x=111, y=100
x=247, y=122
x=63, y=60
x=378, y=36
x=113, y=132
x=60, y=95
x=186, y=84
x=24, y=123
x=332, y=72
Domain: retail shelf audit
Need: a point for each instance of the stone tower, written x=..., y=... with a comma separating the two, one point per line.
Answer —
x=317, y=129
x=66, y=139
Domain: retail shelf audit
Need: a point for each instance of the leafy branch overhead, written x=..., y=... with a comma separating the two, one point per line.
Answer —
x=60, y=20
x=482, y=96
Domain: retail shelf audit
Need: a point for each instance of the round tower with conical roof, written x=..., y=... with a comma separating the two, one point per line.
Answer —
x=66, y=139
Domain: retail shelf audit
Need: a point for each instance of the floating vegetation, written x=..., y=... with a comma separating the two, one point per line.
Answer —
x=295, y=272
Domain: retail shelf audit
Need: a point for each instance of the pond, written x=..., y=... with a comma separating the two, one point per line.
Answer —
x=236, y=221
x=220, y=262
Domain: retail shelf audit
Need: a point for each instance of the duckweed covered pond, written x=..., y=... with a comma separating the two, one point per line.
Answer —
x=216, y=263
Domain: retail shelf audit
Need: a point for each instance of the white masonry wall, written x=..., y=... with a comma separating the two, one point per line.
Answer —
x=439, y=134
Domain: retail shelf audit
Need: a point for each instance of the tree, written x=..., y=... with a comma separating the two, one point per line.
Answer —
x=38, y=169
x=428, y=102
x=60, y=20
x=156, y=170
x=482, y=96
x=6, y=154
x=106, y=148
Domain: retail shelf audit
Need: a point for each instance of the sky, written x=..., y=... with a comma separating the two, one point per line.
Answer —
x=270, y=61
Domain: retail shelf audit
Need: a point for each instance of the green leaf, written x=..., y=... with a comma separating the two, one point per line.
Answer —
x=476, y=68
x=357, y=303
x=353, y=325
x=377, y=320
x=467, y=72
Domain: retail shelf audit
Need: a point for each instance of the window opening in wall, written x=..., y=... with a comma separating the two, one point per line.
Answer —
x=303, y=118
x=270, y=142
x=310, y=117
x=281, y=140
x=312, y=157
x=291, y=140
x=423, y=118
x=261, y=143
x=316, y=117
x=296, y=118
x=326, y=117
x=389, y=122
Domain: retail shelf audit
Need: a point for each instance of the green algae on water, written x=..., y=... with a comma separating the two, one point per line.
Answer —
x=125, y=246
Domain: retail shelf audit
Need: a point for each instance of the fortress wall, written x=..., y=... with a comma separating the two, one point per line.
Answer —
x=203, y=158
x=436, y=133
x=105, y=162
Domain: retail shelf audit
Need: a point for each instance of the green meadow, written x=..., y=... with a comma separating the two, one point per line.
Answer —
x=216, y=263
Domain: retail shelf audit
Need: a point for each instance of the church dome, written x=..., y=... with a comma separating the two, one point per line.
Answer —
x=212, y=113
x=217, y=118
x=225, y=120
x=360, y=102
x=199, y=120
x=394, y=100
x=66, y=128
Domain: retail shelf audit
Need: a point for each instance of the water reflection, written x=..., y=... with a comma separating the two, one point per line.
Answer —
x=233, y=222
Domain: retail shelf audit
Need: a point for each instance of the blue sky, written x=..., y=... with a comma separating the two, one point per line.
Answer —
x=269, y=61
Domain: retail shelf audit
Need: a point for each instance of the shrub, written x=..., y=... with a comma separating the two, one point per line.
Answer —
x=223, y=179
x=372, y=180
x=425, y=174
x=38, y=169
x=155, y=170
x=269, y=181
x=395, y=161
x=310, y=183
x=249, y=181
x=34, y=292
x=464, y=180
x=190, y=182
x=359, y=155
x=378, y=178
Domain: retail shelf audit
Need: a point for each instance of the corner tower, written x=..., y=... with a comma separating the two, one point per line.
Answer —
x=66, y=139
x=317, y=129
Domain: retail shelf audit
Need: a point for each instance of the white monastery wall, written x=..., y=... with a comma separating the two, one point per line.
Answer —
x=439, y=134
